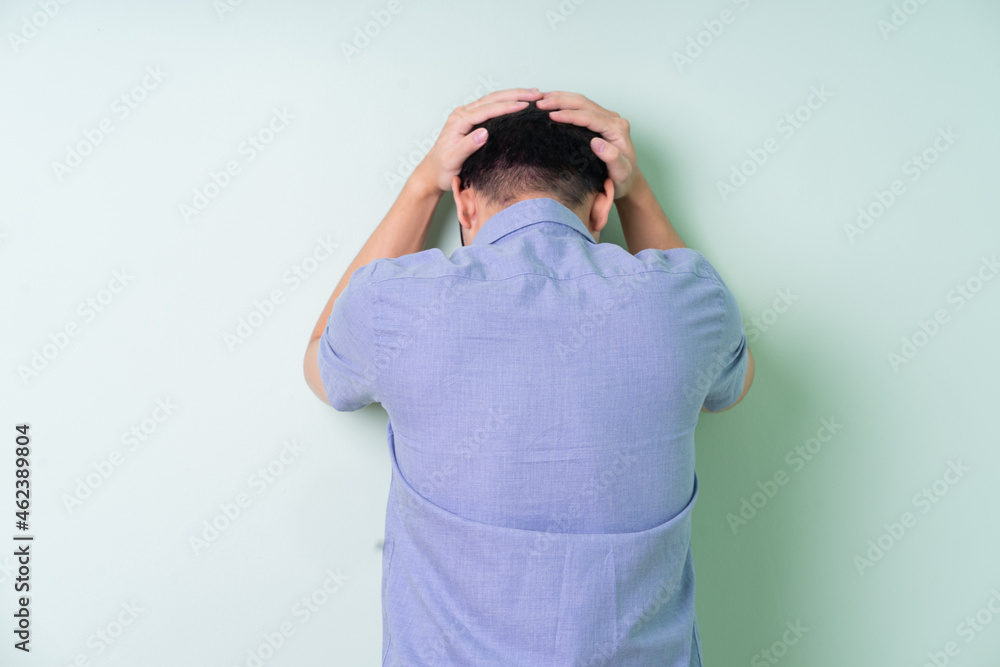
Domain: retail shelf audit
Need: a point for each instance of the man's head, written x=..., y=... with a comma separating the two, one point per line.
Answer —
x=528, y=155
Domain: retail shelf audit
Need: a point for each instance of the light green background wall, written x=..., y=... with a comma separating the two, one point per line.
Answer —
x=328, y=175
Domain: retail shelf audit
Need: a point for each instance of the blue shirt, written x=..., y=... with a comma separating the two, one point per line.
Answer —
x=542, y=392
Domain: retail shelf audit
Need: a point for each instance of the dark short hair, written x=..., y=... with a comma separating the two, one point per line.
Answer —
x=526, y=151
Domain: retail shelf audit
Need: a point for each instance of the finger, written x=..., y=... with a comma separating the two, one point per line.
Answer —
x=466, y=119
x=618, y=165
x=469, y=144
x=605, y=150
x=602, y=123
x=560, y=99
x=511, y=94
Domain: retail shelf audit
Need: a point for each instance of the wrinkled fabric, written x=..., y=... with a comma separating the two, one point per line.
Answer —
x=542, y=392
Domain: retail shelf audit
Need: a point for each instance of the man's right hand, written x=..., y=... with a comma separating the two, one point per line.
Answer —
x=616, y=150
x=457, y=141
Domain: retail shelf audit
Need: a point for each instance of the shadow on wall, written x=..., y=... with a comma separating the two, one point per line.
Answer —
x=750, y=461
x=748, y=469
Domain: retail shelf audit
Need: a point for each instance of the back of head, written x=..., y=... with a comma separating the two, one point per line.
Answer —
x=527, y=152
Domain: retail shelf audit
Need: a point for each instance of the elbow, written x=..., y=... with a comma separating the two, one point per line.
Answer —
x=747, y=381
x=310, y=369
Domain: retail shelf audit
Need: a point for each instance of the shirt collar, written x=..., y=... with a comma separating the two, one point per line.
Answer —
x=528, y=212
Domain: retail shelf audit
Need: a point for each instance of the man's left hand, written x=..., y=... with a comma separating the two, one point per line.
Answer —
x=456, y=142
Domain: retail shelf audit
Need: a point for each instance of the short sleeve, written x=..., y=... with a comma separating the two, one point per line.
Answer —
x=348, y=346
x=729, y=365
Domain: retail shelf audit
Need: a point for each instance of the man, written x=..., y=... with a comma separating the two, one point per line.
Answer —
x=542, y=390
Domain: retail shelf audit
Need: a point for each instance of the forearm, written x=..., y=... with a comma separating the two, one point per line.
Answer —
x=644, y=223
x=403, y=231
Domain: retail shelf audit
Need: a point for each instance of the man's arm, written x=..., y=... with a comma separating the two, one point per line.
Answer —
x=405, y=227
x=746, y=385
x=403, y=231
x=644, y=223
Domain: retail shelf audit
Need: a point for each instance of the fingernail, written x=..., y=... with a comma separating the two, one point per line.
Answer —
x=479, y=136
x=600, y=146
